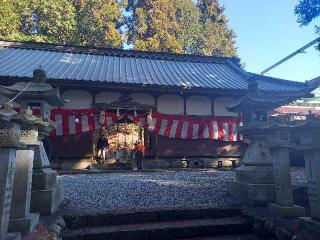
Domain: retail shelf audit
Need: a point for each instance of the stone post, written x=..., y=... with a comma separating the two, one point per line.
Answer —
x=20, y=217
x=310, y=144
x=9, y=143
x=47, y=194
x=279, y=143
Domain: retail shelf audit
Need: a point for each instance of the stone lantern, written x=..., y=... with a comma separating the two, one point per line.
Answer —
x=309, y=143
x=40, y=97
x=9, y=143
x=279, y=141
x=254, y=183
x=21, y=220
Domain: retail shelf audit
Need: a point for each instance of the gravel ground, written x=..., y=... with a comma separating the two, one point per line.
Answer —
x=107, y=192
x=96, y=193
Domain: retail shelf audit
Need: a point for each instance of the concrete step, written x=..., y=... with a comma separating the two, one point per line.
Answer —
x=110, y=219
x=162, y=230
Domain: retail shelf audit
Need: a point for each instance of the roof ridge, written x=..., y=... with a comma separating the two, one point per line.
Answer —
x=274, y=79
x=112, y=51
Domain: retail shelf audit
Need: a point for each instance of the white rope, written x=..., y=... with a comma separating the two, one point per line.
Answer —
x=25, y=88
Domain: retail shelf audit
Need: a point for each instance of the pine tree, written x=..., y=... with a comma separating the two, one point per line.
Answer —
x=152, y=26
x=216, y=38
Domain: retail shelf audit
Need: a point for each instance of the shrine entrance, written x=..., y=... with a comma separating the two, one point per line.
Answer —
x=121, y=137
x=122, y=132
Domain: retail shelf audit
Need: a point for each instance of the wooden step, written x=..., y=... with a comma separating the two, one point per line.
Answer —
x=110, y=219
x=162, y=230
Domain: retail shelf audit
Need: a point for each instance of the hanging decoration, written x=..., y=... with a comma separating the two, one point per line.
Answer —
x=149, y=117
x=101, y=118
x=118, y=112
x=167, y=125
x=134, y=111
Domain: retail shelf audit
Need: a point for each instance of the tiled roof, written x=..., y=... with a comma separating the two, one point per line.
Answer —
x=19, y=59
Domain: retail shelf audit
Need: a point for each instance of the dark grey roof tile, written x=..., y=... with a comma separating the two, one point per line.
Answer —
x=131, y=67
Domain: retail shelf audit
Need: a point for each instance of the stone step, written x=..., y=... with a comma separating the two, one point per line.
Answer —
x=245, y=236
x=162, y=230
x=110, y=219
x=113, y=166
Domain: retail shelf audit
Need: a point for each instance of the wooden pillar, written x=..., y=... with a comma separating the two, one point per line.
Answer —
x=156, y=153
x=212, y=106
x=185, y=105
x=93, y=133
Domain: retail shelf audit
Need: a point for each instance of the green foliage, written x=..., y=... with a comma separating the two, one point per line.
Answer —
x=178, y=26
x=152, y=26
x=50, y=21
x=9, y=19
x=82, y=22
x=188, y=17
x=98, y=22
x=215, y=38
x=307, y=11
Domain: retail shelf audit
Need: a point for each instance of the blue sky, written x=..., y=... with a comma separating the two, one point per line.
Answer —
x=267, y=31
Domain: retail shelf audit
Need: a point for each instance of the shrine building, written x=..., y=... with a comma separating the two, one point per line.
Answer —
x=176, y=104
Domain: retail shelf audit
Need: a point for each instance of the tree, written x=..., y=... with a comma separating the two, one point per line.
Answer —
x=188, y=17
x=152, y=26
x=98, y=22
x=9, y=19
x=216, y=38
x=307, y=11
x=50, y=21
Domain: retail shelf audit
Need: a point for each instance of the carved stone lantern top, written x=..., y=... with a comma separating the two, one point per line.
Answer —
x=309, y=133
x=37, y=89
x=7, y=112
x=10, y=129
x=256, y=106
x=39, y=75
x=279, y=135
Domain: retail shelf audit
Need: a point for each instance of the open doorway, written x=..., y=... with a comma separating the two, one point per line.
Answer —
x=121, y=137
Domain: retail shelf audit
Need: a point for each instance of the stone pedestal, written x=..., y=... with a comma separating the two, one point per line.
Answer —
x=21, y=220
x=310, y=224
x=46, y=193
x=254, y=185
x=13, y=236
x=312, y=160
x=7, y=169
x=284, y=206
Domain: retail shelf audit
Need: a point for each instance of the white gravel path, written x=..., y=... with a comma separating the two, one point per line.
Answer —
x=105, y=192
x=146, y=190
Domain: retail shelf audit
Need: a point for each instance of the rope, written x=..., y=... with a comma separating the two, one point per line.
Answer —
x=25, y=88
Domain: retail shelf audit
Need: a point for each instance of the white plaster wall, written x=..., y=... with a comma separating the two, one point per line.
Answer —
x=220, y=105
x=143, y=98
x=107, y=97
x=78, y=99
x=198, y=105
x=170, y=104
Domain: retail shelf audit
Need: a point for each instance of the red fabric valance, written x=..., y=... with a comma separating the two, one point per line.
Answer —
x=167, y=125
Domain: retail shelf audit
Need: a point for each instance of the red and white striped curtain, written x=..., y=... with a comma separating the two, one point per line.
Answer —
x=167, y=125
